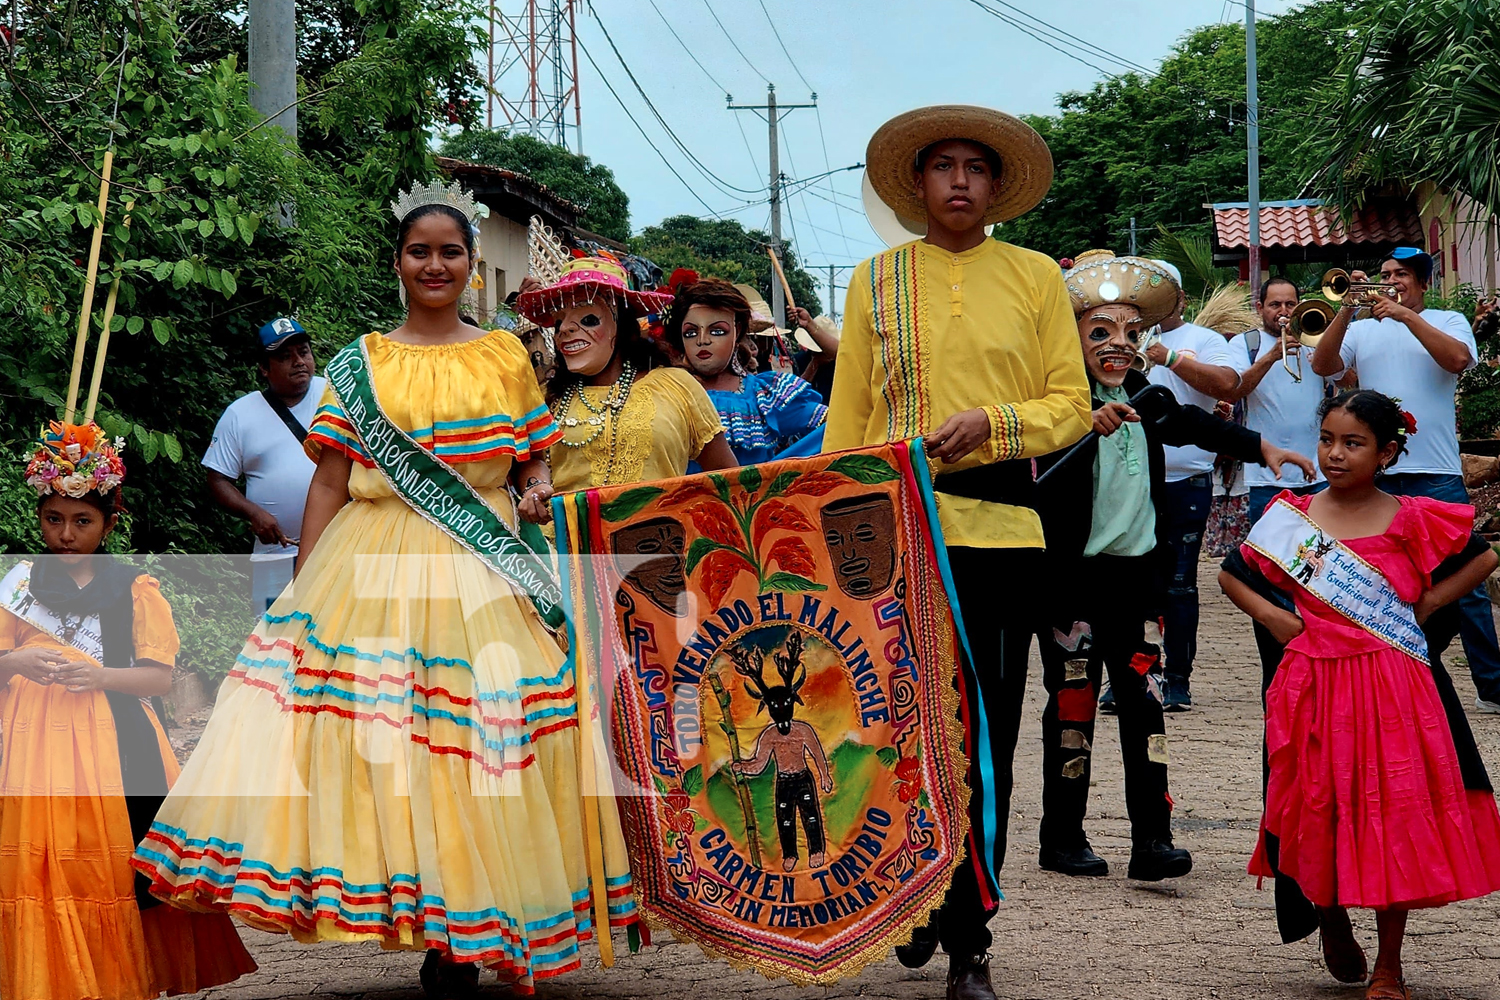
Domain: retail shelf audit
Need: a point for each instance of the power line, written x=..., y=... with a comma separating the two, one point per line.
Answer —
x=690, y=55
x=621, y=103
x=1055, y=32
x=713, y=178
x=772, y=22
x=733, y=42
x=823, y=140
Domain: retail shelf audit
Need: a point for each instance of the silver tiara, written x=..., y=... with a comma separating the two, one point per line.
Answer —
x=452, y=195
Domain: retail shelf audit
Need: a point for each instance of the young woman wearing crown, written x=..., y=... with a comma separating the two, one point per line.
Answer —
x=624, y=419
x=396, y=756
x=85, y=640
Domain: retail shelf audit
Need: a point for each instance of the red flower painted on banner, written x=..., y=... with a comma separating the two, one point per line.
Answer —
x=792, y=555
x=908, y=779
x=778, y=514
x=715, y=522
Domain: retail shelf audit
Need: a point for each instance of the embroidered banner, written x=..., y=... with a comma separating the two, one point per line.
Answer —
x=435, y=490
x=1332, y=572
x=82, y=633
x=782, y=652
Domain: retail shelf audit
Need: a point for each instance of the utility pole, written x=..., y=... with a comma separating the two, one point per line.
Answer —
x=1132, y=236
x=834, y=286
x=273, y=62
x=1252, y=131
x=773, y=115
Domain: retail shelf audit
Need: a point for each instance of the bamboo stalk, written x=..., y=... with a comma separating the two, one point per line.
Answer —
x=791, y=300
x=109, y=316
x=81, y=342
x=741, y=785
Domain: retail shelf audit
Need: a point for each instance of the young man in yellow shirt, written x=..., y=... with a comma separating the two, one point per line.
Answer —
x=970, y=343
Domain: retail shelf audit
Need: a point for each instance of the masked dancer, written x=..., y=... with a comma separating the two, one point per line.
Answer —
x=1103, y=511
x=86, y=641
x=763, y=412
x=396, y=755
x=624, y=417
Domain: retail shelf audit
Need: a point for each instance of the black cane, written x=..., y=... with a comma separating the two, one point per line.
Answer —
x=1154, y=404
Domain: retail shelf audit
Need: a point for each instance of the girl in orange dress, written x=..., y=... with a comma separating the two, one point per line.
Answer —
x=84, y=641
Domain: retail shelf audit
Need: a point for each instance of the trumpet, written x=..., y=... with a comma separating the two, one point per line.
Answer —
x=1141, y=362
x=1306, y=324
x=1339, y=287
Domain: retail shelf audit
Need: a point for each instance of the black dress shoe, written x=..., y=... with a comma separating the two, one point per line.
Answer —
x=1080, y=861
x=919, y=951
x=1159, y=860
x=969, y=978
x=443, y=979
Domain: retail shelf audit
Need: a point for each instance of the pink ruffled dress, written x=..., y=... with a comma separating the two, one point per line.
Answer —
x=1365, y=791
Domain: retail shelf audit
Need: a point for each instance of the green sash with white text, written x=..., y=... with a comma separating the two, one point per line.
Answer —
x=435, y=490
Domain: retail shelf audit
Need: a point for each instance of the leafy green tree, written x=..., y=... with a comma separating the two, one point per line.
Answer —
x=723, y=248
x=590, y=185
x=202, y=262
x=1159, y=148
x=1417, y=98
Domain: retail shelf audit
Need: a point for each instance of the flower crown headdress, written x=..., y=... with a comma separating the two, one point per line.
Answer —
x=74, y=459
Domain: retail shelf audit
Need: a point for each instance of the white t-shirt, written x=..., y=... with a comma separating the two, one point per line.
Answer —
x=1390, y=359
x=1283, y=411
x=251, y=441
x=1208, y=348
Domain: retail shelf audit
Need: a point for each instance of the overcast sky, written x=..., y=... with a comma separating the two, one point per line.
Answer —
x=866, y=59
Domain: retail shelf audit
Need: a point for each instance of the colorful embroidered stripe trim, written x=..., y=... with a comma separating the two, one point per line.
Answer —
x=1007, y=431
x=899, y=310
x=213, y=871
x=454, y=441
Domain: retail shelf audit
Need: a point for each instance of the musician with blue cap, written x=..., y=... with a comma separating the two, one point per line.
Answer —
x=1415, y=355
x=259, y=438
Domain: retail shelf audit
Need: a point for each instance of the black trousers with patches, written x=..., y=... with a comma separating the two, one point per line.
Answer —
x=798, y=794
x=994, y=596
x=1099, y=608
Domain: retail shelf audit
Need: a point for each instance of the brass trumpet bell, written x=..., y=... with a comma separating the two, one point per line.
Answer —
x=1307, y=323
x=1141, y=362
x=1339, y=287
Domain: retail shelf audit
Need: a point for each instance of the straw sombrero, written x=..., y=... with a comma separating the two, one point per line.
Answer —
x=1025, y=160
x=583, y=280
x=760, y=313
x=1099, y=278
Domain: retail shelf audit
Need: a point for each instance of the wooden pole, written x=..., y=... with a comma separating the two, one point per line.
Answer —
x=109, y=315
x=81, y=341
x=791, y=303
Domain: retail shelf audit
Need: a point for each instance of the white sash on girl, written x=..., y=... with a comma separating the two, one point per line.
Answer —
x=83, y=634
x=1332, y=572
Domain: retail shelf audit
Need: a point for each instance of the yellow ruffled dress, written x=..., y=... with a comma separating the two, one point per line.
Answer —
x=70, y=926
x=396, y=755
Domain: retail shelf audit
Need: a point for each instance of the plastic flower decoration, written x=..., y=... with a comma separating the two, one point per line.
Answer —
x=1409, y=422
x=73, y=459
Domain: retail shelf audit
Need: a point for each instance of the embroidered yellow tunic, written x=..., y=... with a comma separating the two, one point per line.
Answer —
x=665, y=423
x=929, y=333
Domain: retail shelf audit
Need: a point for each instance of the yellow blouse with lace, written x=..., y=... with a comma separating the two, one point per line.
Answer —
x=474, y=404
x=929, y=333
x=666, y=421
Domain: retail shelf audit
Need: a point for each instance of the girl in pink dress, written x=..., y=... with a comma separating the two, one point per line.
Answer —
x=1366, y=797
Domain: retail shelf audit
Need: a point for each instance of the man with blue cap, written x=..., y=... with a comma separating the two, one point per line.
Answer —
x=1415, y=355
x=259, y=438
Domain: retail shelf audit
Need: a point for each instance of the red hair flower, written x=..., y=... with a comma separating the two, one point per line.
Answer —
x=680, y=277
x=1409, y=421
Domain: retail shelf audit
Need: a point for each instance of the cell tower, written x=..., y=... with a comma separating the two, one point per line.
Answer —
x=533, y=70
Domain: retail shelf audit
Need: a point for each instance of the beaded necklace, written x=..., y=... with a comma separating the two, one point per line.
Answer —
x=608, y=412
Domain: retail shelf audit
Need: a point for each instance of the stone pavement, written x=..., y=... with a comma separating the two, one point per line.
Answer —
x=1209, y=935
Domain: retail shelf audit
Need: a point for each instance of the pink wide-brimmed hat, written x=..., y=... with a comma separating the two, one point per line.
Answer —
x=587, y=279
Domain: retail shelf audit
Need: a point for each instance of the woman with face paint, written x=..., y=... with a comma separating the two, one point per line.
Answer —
x=85, y=641
x=764, y=412
x=623, y=419
x=1101, y=513
x=395, y=757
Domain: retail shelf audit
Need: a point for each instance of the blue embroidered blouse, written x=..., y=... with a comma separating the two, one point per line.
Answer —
x=772, y=411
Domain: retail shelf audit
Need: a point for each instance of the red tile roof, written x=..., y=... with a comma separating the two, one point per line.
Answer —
x=1311, y=224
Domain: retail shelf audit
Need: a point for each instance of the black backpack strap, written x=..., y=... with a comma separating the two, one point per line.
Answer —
x=292, y=423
